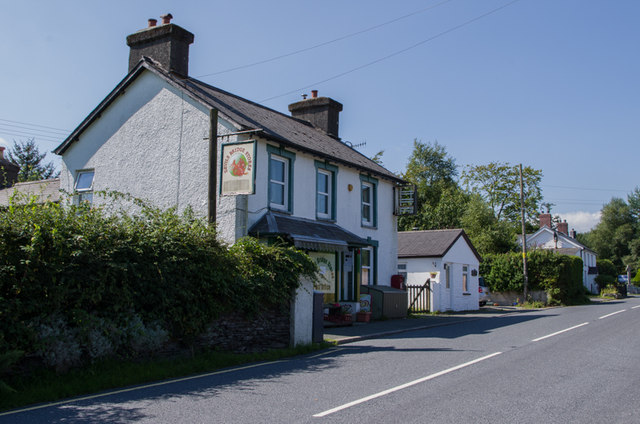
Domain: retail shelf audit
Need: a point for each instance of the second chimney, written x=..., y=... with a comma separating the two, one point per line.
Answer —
x=321, y=112
x=563, y=227
x=545, y=220
x=167, y=44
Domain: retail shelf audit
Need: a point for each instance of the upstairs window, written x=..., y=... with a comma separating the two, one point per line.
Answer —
x=84, y=186
x=280, y=179
x=369, y=195
x=325, y=190
x=278, y=182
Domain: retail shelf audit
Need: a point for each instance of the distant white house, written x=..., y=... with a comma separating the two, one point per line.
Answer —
x=448, y=259
x=560, y=240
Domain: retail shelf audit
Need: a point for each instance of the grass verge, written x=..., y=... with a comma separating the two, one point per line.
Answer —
x=47, y=386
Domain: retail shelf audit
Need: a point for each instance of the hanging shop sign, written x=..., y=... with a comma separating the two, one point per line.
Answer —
x=237, y=174
x=326, y=282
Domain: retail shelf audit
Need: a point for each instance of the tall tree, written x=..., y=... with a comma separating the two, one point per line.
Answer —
x=613, y=238
x=27, y=156
x=499, y=185
x=487, y=234
x=440, y=200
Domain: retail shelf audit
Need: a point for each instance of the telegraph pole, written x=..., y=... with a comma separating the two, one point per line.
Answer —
x=524, y=240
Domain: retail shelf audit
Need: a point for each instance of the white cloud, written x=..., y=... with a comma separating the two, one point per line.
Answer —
x=582, y=222
x=4, y=142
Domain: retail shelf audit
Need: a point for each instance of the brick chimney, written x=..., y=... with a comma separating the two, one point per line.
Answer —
x=563, y=228
x=167, y=44
x=545, y=220
x=321, y=112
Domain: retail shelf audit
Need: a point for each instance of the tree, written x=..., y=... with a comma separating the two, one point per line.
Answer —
x=499, y=185
x=27, y=156
x=487, y=234
x=440, y=200
x=613, y=237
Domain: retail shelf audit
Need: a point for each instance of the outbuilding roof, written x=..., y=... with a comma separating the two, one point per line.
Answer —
x=430, y=243
x=247, y=116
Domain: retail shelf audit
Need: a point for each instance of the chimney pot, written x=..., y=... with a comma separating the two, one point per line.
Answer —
x=314, y=94
x=152, y=22
x=321, y=112
x=166, y=44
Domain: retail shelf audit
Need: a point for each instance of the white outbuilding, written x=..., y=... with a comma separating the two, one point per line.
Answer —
x=445, y=258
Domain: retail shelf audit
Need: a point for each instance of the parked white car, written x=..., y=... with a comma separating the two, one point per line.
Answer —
x=483, y=292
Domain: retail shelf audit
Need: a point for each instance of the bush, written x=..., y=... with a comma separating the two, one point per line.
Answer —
x=558, y=275
x=78, y=284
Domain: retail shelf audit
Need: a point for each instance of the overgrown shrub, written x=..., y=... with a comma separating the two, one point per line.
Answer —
x=79, y=284
x=558, y=275
x=607, y=273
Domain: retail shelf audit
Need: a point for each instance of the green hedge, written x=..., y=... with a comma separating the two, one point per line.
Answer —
x=559, y=275
x=78, y=283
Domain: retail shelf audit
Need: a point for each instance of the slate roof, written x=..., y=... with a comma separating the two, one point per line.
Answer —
x=246, y=115
x=430, y=244
x=306, y=233
x=46, y=190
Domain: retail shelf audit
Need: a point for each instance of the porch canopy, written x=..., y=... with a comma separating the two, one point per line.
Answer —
x=306, y=233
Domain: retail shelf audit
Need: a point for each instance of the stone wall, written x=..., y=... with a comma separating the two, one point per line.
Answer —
x=267, y=330
x=511, y=298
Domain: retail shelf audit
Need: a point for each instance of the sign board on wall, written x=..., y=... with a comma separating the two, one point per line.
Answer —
x=237, y=174
x=326, y=262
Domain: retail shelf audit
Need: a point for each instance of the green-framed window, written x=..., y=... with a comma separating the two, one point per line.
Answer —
x=326, y=204
x=280, y=190
x=369, y=201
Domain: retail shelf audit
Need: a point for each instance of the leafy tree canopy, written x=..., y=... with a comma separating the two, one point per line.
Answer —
x=27, y=156
x=499, y=185
x=440, y=200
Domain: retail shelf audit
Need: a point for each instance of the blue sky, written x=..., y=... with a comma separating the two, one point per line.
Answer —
x=552, y=84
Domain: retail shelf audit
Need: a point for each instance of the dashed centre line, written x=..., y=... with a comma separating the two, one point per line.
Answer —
x=559, y=332
x=611, y=314
x=638, y=306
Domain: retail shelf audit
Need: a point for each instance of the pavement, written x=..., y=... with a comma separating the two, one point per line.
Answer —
x=381, y=328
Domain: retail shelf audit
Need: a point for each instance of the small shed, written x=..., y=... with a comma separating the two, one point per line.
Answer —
x=446, y=258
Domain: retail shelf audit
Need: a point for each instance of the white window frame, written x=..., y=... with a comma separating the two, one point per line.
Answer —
x=367, y=221
x=84, y=194
x=368, y=268
x=285, y=183
x=402, y=270
x=328, y=194
x=465, y=278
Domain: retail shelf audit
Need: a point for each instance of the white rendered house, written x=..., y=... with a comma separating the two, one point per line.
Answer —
x=163, y=136
x=563, y=241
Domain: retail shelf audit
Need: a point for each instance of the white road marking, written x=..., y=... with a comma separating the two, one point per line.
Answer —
x=403, y=386
x=636, y=307
x=613, y=313
x=131, y=389
x=559, y=332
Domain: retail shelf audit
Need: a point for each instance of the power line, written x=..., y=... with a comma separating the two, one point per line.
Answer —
x=306, y=49
x=586, y=188
x=35, y=125
x=396, y=53
x=45, y=138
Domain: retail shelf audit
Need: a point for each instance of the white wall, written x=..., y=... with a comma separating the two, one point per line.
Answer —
x=149, y=143
x=443, y=299
x=152, y=142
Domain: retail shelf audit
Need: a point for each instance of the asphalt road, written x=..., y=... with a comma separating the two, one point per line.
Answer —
x=561, y=365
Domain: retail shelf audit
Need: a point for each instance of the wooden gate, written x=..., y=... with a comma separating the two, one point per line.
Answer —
x=419, y=297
